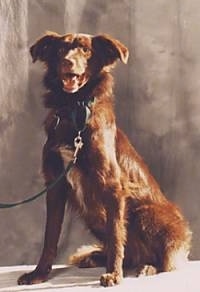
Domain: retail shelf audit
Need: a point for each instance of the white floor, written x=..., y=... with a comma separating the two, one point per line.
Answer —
x=67, y=279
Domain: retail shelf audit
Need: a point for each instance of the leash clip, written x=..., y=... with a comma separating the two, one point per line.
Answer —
x=78, y=144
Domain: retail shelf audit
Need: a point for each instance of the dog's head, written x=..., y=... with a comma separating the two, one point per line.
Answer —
x=75, y=58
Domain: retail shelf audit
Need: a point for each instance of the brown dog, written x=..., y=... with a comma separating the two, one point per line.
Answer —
x=109, y=185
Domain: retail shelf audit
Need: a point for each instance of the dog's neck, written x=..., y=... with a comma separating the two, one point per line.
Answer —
x=96, y=87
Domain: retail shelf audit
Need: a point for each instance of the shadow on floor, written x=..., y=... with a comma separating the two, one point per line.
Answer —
x=60, y=277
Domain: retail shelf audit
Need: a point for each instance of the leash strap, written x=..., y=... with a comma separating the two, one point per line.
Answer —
x=48, y=188
x=80, y=116
x=78, y=144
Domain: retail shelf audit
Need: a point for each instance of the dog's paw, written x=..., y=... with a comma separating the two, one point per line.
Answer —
x=146, y=270
x=110, y=279
x=32, y=278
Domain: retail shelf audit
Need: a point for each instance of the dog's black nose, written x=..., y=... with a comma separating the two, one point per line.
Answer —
x=67, y=63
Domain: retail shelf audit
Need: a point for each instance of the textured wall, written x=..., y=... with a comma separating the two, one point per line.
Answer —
x=157, y=104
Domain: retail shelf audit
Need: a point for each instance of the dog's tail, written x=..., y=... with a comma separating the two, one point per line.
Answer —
x=88, y=256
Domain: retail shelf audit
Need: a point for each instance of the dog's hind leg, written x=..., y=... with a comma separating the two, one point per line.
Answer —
x=175, y=259
x=170, y=260
x=176, y=248
x=89, y=257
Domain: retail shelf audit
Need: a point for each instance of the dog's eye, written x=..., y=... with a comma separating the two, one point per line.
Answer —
x=86, y=50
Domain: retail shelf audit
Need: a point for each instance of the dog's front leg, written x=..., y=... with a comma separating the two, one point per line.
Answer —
x=56, y=200
x=116, y=237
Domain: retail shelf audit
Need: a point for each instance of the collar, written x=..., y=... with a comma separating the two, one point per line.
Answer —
x=79, y=112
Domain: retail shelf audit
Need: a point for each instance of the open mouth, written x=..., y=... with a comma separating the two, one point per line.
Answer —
x=71, y=82
x=70, y=76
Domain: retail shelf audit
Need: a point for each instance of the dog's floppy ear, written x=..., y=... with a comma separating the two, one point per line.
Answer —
x=42, y=49
x=110, y=49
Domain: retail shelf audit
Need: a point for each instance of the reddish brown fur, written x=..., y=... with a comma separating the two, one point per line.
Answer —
x=110, y=185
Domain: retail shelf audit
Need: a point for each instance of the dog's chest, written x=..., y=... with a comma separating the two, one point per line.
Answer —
x=81, y=197
x=85, y=195
x=75, y=180
x=91, y=210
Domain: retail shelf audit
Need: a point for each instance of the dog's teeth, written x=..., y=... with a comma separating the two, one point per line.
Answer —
x=71, y=77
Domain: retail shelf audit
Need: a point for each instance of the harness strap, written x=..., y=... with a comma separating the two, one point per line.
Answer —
x=79, y=115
